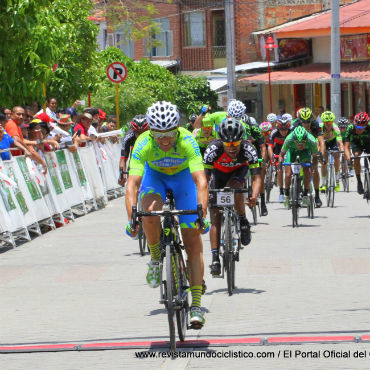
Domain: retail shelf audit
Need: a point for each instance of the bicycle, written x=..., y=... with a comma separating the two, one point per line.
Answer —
x=295, y=191
x=248, y=186
x=345, y=174
x=174, y=285
x=230, y=243
x=330, y=178
x=270, y=180
x=366, y=172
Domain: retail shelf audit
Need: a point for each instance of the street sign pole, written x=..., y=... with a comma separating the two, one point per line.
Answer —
x=117, y=106
x=117, y=73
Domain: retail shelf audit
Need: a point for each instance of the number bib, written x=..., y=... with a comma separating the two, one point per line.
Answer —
x=225, y=199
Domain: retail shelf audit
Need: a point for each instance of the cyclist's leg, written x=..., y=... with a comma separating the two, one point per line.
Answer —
x=185, y=196
x=152, y=195
x=219, y=182
x=237, y=182
x=316, y=180
x=357, y=151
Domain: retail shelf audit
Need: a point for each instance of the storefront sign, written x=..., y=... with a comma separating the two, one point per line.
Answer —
x=354, y=48
x=293, y=49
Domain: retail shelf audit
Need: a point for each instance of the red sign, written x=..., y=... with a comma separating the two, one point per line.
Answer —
x=354, y=48
x=293, y=49
x=117, y=72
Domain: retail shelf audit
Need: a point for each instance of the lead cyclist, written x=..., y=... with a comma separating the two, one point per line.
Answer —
x=167, y=157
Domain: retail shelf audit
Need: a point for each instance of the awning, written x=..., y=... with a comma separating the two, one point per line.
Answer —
x=354, y=18
x=165, y=63
x=312, y=73
x=217, y=83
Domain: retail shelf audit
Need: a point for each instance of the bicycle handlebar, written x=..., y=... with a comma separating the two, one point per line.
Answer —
x=361, y=156
x=138, y=214
x=228, y=190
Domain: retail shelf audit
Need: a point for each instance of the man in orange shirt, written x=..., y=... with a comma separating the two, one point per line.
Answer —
x=13, y=128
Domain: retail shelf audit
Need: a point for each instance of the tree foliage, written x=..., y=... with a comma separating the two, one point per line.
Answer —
x=38, y=34
x=145, y=84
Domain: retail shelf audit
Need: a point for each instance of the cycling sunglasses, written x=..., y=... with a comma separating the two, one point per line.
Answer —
x=161, y=135
x=300, y=142
x=360, y=127
x=207, y=128
x=235, y=143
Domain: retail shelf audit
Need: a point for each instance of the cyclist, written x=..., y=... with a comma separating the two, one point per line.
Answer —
x=298, y=143
x=228, y=159
x=190, y=125
x=357, y=138
x=271, y=118
x=138, y=125
x=275, y=143
x=167, y=157
x=205, y=134
x=305, y=119
x=333, y=141
x=343, y=123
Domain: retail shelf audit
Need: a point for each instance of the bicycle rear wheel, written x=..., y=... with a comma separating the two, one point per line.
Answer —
x=183, y=297
x=367, y=186
x=268, y=183
x=294, y=198
x=332, y=185
x=170, y=291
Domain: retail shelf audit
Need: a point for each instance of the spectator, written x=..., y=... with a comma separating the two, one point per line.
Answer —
x=73, y=113
x=28, y=115
x=7, y=112
x=83, y=124
x=110, y=124
x=66, y=140
x=320, y=111
x=12, y=127
x=6, y=141
x=51, y=107
x=38, y=131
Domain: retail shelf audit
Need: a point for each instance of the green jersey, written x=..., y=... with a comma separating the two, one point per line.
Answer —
x=290, y=144
x=332, y=134
x=202, y=140
x=184, y=154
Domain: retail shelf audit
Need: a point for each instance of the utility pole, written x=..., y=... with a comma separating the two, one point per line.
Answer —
x=230, y=48
x=335, y=98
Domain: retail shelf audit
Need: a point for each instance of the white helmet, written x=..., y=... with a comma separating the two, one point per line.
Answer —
x=162, y=115
x=252, y=121
x=271, y=117
x=287, y=116
x=236, y=109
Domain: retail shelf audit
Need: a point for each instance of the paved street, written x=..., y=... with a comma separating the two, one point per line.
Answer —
x=86, y=283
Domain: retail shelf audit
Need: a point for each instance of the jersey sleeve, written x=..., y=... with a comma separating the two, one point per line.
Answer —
x=287, y=142
x=270, y=140
x=347, y=134
x=312, y=143
x=139, y=156
x=126, y=144
x=211, y=155
x=192, y=153
x=337, y=132
x=257, y=134
x=250, y=155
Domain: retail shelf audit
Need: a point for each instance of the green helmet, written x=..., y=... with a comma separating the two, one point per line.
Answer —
x=305, y=115
x=328, y=116
x=300, y=134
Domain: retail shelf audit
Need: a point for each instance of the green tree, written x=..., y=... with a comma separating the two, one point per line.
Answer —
x=37, y=34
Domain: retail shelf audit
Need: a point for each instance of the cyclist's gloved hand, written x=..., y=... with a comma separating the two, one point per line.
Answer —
x=130, y=232
x=204, y=109
x=206, y=226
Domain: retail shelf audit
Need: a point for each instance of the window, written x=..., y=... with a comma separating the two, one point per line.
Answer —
x=163, y=41
x=123, y=40
x=194, y=29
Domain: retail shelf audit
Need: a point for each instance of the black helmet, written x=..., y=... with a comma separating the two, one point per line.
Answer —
x=139, y=123
x=231, y=130
x=343, y=122
x=193, y=117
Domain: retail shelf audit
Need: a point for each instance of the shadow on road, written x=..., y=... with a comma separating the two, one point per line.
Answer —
x=237, y=291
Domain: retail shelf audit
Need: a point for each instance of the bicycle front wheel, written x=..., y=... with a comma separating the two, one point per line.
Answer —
x=332, y=186
x=170, y=291
x=367, y=186
x=294, y=198
x=183, y=297
x=142, y=240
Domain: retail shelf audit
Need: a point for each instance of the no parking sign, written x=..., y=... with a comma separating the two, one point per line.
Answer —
x=117, y=73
